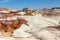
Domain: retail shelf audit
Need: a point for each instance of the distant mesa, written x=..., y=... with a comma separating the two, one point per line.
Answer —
x=55, y=8
x=6, y=10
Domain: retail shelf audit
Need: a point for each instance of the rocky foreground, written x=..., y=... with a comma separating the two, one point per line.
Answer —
x=36, y=27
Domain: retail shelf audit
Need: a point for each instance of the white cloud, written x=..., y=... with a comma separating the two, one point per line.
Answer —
x=2, y=2
x=6, y=0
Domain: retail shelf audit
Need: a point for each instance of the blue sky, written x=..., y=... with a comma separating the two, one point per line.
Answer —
x=32, y=4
